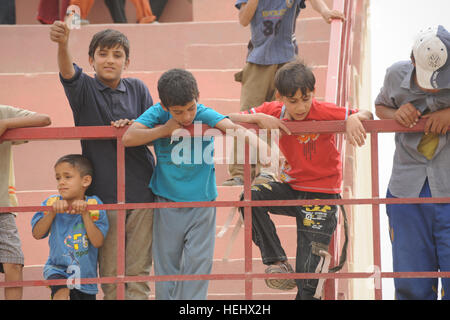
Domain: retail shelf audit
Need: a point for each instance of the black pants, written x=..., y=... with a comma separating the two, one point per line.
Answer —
x=157, y=7
x=117, y=10
x=74, y=294
x=7, y=12
x=315, y=226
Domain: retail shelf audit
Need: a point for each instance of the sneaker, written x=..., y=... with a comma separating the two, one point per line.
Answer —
x=235, y=181
x=280, y=284
x=264, y=178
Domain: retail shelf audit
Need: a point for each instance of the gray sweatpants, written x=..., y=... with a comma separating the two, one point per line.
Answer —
x=183, y=243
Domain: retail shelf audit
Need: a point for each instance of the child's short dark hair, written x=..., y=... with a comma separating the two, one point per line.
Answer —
x=177, y=87
x=78, y=161
x=293, y=76
x=109, y=39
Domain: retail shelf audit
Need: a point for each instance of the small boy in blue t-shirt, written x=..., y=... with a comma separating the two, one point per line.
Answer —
x=183, y=238
x=75, y=233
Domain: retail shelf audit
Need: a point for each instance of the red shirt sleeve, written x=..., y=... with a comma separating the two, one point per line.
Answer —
x=272, y=108
x=329, y=111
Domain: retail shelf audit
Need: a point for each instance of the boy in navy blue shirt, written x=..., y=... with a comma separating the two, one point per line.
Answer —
x=183, y=240
x=107, y=99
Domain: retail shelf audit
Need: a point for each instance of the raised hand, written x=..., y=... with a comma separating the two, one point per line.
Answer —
x=59, y=32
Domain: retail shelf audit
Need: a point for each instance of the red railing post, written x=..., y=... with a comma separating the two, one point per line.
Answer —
x=372, y=126
x=120, y=289
x=248, y=226
x=332, y=94
x=375, y=215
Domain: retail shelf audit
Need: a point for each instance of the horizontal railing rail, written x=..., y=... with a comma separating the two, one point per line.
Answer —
x=373, y=127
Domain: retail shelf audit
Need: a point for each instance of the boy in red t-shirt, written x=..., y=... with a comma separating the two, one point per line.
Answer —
x=312, y=170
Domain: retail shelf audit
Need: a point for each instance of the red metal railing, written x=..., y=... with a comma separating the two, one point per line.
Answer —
x=374, y=127
x=337, y=90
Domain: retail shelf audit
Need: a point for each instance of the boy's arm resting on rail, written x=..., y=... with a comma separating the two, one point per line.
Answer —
x=354, y=130
x=226, y=125
x=264, y=121
x=138, y=134
x=32, y=120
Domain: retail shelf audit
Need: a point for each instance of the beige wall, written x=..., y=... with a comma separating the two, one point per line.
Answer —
x=361, y=229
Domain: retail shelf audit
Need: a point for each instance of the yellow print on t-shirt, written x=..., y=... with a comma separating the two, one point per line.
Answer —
x=273, y=13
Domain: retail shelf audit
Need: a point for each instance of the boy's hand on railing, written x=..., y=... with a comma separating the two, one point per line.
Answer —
x=355, y=132
x=265, y=159
x=437, y=122
x=407, y=115
x=329, y=15
x=121, y=123
x=76, y=207
x=265, y=121
x=60, y=206
x=171, y=127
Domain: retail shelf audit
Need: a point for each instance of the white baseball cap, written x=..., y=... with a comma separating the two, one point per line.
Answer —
x=431, y=56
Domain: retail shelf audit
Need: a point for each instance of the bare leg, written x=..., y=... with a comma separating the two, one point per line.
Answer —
x=62, y=294
x=13, y=272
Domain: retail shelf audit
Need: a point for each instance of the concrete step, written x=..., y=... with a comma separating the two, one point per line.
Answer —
x=153, y=47
x=35, y=198
x=226, y=289
x=39, y=175
x=43, y=92
x=175, y=10
x=205, y=10
x=217, y=290
x=213, y=49
x=36, y=251
x=233, y=55
x=287, y=235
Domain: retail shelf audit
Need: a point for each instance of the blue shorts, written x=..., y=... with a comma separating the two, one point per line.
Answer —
x=74, y=293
